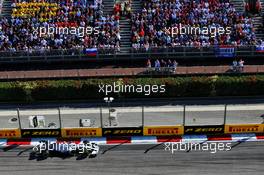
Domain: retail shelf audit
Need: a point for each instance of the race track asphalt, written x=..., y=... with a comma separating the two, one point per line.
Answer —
x=244, y=159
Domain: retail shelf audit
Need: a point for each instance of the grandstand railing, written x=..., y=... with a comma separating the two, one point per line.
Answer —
x=138, y=116
x=169, y=52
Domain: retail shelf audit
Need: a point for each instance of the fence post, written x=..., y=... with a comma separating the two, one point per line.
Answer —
x=18, y=116
x=101, y=117
x=225, y=114
x=143, y=117
x=184, y=110
x=59, y=112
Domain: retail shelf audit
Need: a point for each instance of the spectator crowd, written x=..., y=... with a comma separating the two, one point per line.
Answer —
x=149, y=26
x=20, y=33
x=122, y=9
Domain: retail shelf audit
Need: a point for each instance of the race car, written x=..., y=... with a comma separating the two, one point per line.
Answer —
x=64, y=150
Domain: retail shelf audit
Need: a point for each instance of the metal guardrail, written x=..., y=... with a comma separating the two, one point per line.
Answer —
x=78, y=54
x=135, y=116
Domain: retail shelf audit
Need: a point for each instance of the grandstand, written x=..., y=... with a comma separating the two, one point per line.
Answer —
x=128, y=29
x=259, y=25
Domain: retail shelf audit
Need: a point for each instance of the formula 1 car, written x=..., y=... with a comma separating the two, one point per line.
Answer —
x=64, y=150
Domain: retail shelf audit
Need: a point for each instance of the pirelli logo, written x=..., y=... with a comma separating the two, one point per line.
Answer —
x=243, y=128
x=7, y=134
x=10, y=133
x=74, y=133
x=81, y=132
x=163, y=130
x=168, y=131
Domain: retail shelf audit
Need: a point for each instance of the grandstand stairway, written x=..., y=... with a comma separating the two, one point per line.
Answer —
x=238, y=4
x=125, y=33
x=257, y=20
x=136, y=6
x=7, y=9
x=125, y=27
x=258, y=23
x=108, y=7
